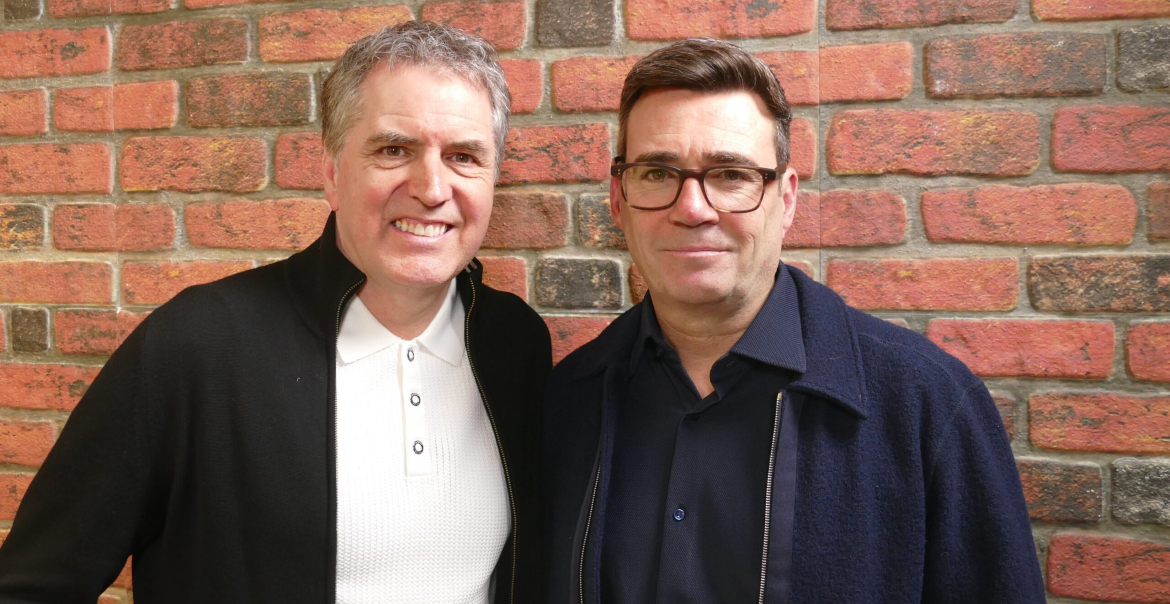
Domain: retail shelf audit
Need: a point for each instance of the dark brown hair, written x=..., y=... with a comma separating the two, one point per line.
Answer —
x=706, y=65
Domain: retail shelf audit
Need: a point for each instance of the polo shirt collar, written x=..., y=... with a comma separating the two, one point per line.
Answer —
x=362, y=334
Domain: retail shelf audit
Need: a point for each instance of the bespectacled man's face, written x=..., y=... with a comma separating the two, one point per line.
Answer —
x=690, y=254
x=412, y=185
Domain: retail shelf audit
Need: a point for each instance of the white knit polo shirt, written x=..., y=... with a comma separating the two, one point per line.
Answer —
x=422, y=503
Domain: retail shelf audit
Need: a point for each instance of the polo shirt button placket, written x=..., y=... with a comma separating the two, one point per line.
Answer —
x=418, y=454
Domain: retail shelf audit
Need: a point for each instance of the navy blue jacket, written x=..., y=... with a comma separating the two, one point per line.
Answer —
x=903, y=488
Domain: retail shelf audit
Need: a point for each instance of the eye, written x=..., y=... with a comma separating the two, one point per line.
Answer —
x=392, y=151
x=654, y=175
x=463, y=158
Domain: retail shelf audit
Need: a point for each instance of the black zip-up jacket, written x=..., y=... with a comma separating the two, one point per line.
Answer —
x=205, y=447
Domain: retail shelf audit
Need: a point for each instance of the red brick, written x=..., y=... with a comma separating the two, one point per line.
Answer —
x=1158, y=211
x=319, y=34
x=212, y=3
x=126, y=227
x=157, y=282
x=55, y=282
x=927, y=284
x=798, y=72
x=1007, y=412
x=55, y=168
x=1092, y=10
x=298, y=161
x=89, y=109
x=583, y=84
x=146, y=105
x=1100, y=567
x=577, y=153
x=50, y=387
x=12, y=488
x=501, y=23
x=272, y=224
x=506, y=274
x=250, y=99
x=1019, y=348
x=807, y=268
x=934, y=143
x=868, y=14
x=528, y=219
x=1061, y=492
x=62, y=9
x=93, y=332
x=525, y=83
x=1024, y=64
x=855, y=218
x=866, y=72
x=570, y=333
x=1071, y=214
x=54, y=52
x=183, y=44
x=802, y=147
x=805, y=231
x=1111, y=138
x=22, y=226
x=191, y=164
x=22, y=112
x=678, y=19
x=25, y=443
x=1139, y=283
x=1147, y=351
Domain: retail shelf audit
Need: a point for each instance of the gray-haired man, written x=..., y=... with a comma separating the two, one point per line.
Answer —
x=354, y=424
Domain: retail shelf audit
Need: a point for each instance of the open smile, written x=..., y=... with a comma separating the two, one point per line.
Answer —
x=421, y=229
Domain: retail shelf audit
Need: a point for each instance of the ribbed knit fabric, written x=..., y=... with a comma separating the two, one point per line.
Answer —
x=422, y=504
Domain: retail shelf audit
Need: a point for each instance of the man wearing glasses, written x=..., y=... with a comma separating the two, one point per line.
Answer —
x=742, y=435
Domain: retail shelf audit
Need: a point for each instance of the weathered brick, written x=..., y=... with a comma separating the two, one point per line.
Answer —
x=55, y=282
x=25, y=443
x=3, y=336
x=561, y=23
x=249, y=99
x=125, y=227
x=49, y=387
x=595, y=226
x=1007, y=412
x=802, y=147
x=55, y=168
x=854, y=218
x=1100, y=422
x=1107, y=568
x=576, y=153
x=675, y=19
x=89, y=109
x=196, y=4
x=319, y=34
x=1092, y=10
x=1100, y=283
x=869, y=14
x=62, y=9
x=1060, y=491
x=1158, y=211
x=1147, y=351
x=1023, y=64
x=506, y=274
x=157, y=282
x=501, y=23
x=525, y=83
x=927, y=284
x=798, y=72
x=583, y=84
x=1111, y=138
x=54, y=52
x=528, y=219
x=21, y=10
x=578, y=283
x=1071, y=214
x=570, y=333
x=191, y=164
x=1143, y=58
x=183, y=44
x=12, y=488
x=30, y=329
x=1028, y=348
x=934, y=143
x=23, y=112
x=805, y=231
x=22, y=226
x=1141, y=491
x=139, y=106
x=93, y=332
x=298, y=161
x=866, y=72
x=271, y=224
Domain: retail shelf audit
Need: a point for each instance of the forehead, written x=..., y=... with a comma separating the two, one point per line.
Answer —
x=424, y=93
x=689, y=121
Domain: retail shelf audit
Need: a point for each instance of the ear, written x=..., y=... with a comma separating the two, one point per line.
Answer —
x=615, y=201
x=788, y=195
x=329, y=174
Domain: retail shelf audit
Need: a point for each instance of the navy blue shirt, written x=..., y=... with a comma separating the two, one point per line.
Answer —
x=679, y=459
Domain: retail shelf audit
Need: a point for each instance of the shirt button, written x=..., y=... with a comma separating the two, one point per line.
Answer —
x=418, y=447
x=415, y=399
x=409, y=354
x=679, y=514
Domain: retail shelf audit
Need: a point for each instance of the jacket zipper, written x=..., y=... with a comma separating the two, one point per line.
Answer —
x=768, y=498
x=499, y=443
x=585, y=537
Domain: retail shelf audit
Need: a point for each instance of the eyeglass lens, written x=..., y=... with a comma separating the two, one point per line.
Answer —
x=731, y=189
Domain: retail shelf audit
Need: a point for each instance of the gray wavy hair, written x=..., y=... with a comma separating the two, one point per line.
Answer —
x=418, y=43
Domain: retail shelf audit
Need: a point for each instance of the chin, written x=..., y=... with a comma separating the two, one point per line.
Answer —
x=421, y=272
x=697, y=291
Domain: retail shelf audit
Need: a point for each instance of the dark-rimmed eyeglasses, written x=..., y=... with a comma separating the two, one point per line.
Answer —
x=727, y=188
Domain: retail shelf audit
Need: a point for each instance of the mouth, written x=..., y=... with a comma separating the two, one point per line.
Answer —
x=429, y=230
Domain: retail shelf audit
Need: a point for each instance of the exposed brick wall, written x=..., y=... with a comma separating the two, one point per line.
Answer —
x=992, y=173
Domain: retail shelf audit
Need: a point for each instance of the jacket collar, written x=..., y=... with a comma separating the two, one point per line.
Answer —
x=833, y=370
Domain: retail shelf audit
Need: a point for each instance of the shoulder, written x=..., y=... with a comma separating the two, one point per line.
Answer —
x=892, y=352
x=612, y=344
x=506, y=315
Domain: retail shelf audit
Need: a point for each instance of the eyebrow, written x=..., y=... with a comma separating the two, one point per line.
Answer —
x=717, y=157
x=387, y=137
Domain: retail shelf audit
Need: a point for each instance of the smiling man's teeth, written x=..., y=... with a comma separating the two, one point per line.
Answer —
x=414, y=228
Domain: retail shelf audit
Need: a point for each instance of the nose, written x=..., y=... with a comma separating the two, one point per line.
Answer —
x=428, y=181
x=691, y=208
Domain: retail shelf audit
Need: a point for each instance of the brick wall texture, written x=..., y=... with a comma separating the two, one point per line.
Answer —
x=994, y=174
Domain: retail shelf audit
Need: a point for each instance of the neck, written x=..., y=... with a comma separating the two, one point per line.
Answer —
x=405, y=312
